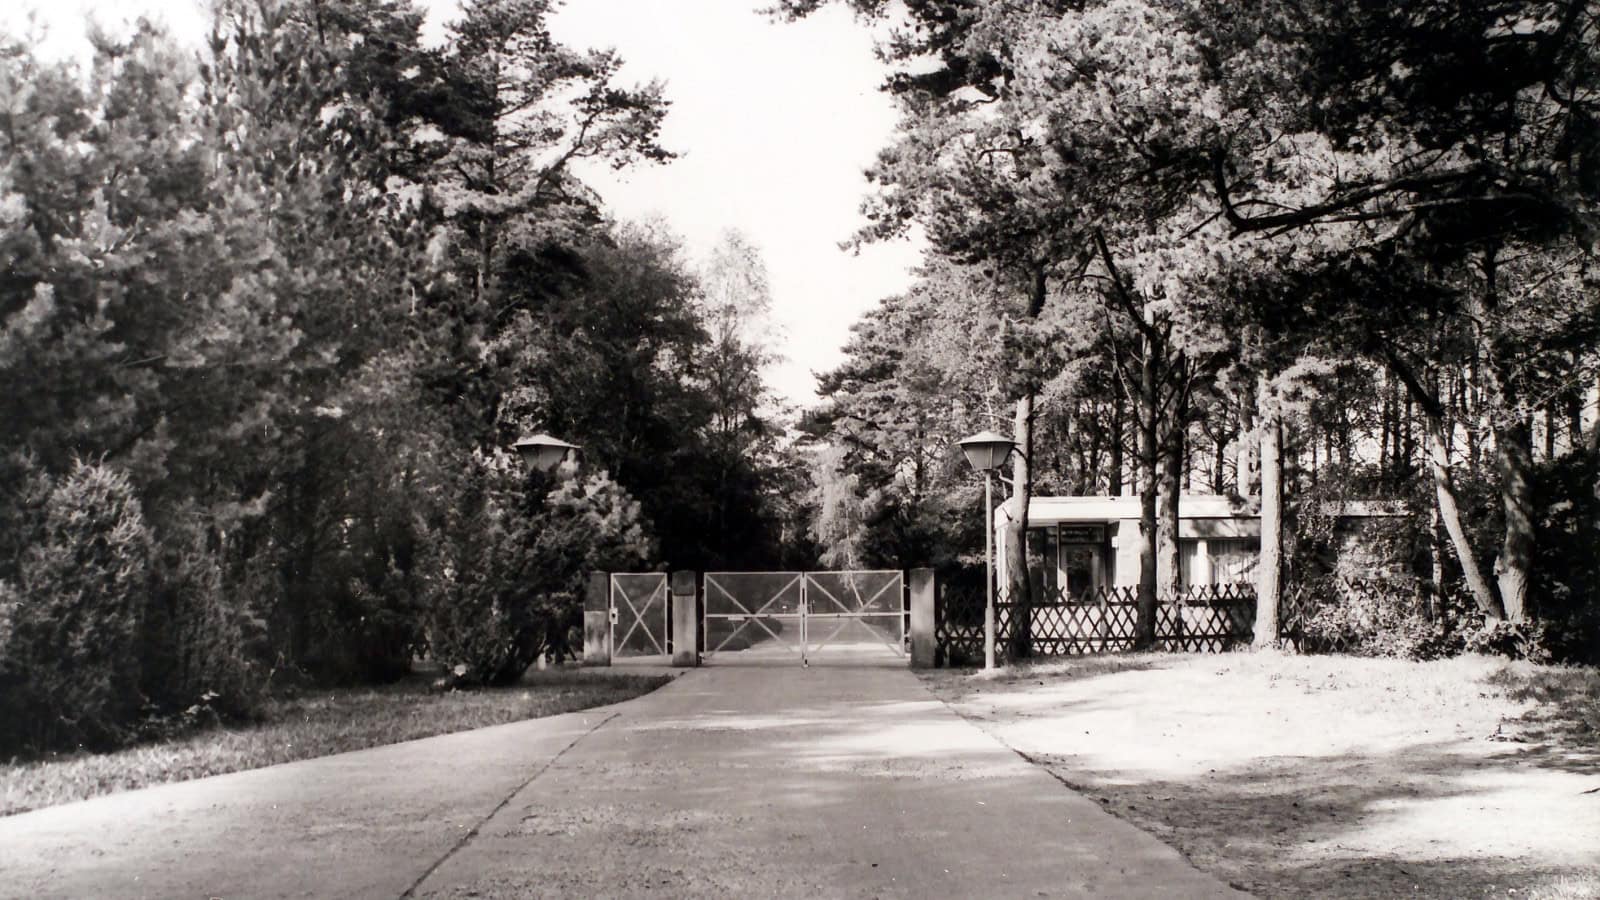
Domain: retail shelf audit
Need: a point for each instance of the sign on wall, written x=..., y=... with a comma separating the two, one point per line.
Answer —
x=1082, y=534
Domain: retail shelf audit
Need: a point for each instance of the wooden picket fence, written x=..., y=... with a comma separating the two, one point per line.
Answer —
x=1207, y=618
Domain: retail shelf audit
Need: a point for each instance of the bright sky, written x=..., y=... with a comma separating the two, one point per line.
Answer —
x=773, y=122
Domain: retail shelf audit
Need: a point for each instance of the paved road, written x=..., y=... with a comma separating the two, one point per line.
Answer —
x=737, y=781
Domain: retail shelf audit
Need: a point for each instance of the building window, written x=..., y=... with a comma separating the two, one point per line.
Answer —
x=1079, y=565
x=1042, y=557
x=1192, y=564
x=1218, y=561
x=1232, y=561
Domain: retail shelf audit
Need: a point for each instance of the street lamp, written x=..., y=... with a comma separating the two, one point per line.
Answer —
x=544, y=452
x=987, y=451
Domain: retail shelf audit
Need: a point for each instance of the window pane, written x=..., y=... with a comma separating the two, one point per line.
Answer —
x=1078, y=564
x=1042, y=557
x=1233, y=561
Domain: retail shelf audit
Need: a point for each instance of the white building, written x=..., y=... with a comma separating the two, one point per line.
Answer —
x=1081, y=544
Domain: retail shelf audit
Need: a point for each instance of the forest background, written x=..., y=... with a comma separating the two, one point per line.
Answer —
x=271, y=317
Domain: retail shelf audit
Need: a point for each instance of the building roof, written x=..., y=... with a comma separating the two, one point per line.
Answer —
x=1051, y=510
x=1047, y=510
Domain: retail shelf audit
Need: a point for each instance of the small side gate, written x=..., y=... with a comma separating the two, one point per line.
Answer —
x=800, y=616
x=639, y=610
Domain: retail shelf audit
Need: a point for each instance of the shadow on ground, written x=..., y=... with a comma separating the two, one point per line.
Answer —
x=820, y=782
x=1305, y=793
x=1338, y=827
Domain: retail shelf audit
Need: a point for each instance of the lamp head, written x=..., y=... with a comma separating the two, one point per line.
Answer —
x=544, y=452
x=986, y=451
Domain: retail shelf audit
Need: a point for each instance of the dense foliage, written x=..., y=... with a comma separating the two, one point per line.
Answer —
x=270, y=317
x=1246, y=248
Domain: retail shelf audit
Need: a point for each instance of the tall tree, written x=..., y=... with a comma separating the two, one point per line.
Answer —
x=527, y=106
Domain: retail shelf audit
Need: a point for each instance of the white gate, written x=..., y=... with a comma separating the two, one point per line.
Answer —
x=639, y=614
x=801, y=616
x=754, y=615
x=860, y=613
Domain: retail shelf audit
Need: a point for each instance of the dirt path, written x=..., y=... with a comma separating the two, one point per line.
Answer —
x=1308, y=776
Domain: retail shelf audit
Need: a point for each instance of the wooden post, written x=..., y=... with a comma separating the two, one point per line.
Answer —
x=1105, y=618
x=597, y=620
x=924, y=619
x=1023, y=640
x=1180, y=631
x=685, y=619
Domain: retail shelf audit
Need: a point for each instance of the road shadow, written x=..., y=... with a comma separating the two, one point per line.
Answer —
x=833, y=782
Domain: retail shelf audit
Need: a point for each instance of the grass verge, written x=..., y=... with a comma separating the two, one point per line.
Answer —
x=314, y=724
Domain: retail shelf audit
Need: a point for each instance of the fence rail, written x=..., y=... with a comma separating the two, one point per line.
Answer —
x=1208, y=618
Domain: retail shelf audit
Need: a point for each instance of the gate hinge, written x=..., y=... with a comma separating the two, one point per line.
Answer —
x=613, y=616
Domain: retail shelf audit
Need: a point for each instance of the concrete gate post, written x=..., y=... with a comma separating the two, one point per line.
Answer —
x=685, y=620
x=597, y=620
x=924, y=593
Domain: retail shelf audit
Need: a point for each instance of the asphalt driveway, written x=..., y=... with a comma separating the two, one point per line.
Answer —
x=738, y=781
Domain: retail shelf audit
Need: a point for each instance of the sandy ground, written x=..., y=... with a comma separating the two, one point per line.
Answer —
x=1311, y=776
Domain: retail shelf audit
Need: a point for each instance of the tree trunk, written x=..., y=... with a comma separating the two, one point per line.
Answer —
x=1169, y=561
x=1511, y=423
x=1514, y=566
x=1450, y=514
x=1118, y=410
x=1405, y=464
x=1246, y=460
x=1219, y=461
x=1471, y=409
x=1018, y=587
x=1149, y=460
x=1433, y=603
x=1386, y=426
x=1572, y=406
x=1269, y=567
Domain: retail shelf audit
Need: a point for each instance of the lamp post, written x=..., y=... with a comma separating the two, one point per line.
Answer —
x=544, y=452
x=987, y=451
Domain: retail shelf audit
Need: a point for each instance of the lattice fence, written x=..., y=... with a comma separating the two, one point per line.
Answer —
x=1208, y=618
x=1339, y=614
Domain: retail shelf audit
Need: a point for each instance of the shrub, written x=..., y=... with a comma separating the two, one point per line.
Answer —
x=13, y=701
x=508, y=565
x=73, y=618
x=1513, y=640
x=1574, y=635
x=384, y=627
x=196, y=644
x=1372, y=618
x=1567, y=571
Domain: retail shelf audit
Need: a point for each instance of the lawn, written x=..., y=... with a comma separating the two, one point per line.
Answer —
x=1324, y=776
x=311, y=725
